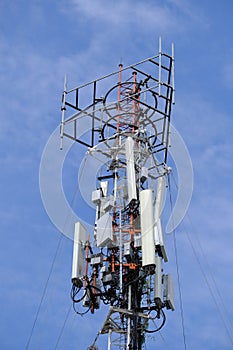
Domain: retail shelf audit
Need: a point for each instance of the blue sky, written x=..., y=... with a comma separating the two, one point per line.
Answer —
x=42, y=41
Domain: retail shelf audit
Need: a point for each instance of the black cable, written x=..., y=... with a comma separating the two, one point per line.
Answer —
x=161, y=326
x=81, y=313
x=177, y=268
x=49, y=276
x=108, y=298
x=93, y=347
x=44, y=291
x=205, y=276
x=62, y=329
x=106, y=255
x=138, y=278
x=74, y=292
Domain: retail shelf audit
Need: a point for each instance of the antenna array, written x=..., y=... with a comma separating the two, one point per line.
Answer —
x=121, y=263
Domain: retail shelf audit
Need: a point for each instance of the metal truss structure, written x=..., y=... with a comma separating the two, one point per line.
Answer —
x=127, y=117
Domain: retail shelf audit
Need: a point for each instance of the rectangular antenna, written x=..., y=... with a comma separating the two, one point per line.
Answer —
x=131, y=180
x=159, y=197
x=158, y=282
x=159, y=240
x=158, y=232
x=78, y=254
x=168, y=292
x=147, y=228
x=104, y=234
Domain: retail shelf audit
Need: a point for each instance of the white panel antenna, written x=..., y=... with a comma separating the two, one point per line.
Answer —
x=159, y=240
x=131, y=179
x=109, y=203
x=158, y=297
x=104, y=235
x=147, y=227
x=96, y=196
x=78, y=254
x=158, y=232
x=159, y=198
x=168, y=294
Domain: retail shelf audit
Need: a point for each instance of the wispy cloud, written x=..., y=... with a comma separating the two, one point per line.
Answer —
x=193, y=11
x=141, y=15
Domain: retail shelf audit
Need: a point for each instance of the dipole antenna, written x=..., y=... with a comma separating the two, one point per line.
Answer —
x=120, y=263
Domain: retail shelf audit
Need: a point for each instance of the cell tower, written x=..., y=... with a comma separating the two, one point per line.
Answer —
x=120, y=263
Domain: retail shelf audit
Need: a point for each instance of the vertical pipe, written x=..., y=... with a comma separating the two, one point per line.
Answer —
x=173, y=73
x=76, y=98
x=160, y=63
x=121, y=257
x=63, y=108
x=145, y=86
x=115, y=185
x=75, y=129
x=119, y=96
x=86, y=264
x=94, y=290
x=158, y=282
x=109, y=339
x=134, y=102
x=113, y=263
x=148, y=292
x=129, y=320
x=93, y=115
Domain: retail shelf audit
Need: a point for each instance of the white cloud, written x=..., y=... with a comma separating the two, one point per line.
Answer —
x=144, y=15
x=194, y=12
x=123, y=12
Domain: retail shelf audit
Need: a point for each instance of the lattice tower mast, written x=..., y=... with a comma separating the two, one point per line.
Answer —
x=120, y=263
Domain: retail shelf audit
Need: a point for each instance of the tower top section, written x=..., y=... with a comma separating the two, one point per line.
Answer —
x=132, y=101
